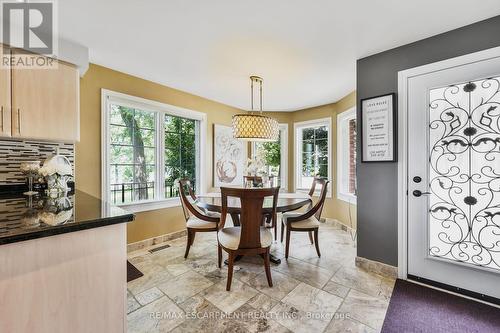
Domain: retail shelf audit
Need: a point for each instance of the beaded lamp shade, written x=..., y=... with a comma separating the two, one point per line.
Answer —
x=255, y=127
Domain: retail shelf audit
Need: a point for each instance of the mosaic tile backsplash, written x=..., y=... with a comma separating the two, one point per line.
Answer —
x=13, y=152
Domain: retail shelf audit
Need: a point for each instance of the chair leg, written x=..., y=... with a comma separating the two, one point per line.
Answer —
x=267, y=265
x=316, y=242
x=189, y=242
x=287, y=246
x=219, y=255
x=276, y=232
x=192, y=237
x=230, y=270
x=311, y=237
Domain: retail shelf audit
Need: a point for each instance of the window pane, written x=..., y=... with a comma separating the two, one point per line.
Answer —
x=172, y=124
x=172, y=140
x=321, y=132
x=180, y=152
x=145, y=138
x=307, y=133
x=132, y=154
x=121, y=134
x=121, y=154
x=121, y=174
x=188, y=126
x=118, y=113
x=322, y=145
x=308, y=146
x=145, y=119
x=323, y=160
x=323, y=171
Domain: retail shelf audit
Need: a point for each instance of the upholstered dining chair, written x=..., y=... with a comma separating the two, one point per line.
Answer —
x=305, y=222
x=196, y=221
x=250, y=238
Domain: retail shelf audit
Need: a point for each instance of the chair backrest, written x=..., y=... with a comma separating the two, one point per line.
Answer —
x=251, y=216
x=318, y=207
x=317, y=180
x=187, y=207
x=185, y=186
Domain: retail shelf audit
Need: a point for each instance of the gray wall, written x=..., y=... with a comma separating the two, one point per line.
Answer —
x=377, y=182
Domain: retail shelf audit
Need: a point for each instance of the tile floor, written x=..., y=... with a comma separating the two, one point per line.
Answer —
x=310, y=294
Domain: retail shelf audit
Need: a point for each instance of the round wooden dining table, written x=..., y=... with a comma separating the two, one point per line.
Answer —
x=286, y=202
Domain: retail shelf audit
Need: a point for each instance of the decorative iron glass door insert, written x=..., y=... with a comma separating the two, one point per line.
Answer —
x=464, y=173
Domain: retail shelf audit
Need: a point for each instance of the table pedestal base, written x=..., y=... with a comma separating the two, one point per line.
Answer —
x=272, y=258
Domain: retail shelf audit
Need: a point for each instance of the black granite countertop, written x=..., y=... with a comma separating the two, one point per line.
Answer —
x=23, y=219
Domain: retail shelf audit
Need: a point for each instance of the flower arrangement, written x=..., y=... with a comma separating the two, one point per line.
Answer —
x=53, y=168
x=56, y=170
x=257, y=166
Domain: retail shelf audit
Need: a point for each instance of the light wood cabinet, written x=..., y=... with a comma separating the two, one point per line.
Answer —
x=45, y=103
x=5, y=94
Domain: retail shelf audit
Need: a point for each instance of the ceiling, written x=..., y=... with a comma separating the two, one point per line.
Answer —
x=305, y=50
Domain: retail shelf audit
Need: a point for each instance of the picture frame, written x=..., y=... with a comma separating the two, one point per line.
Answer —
x=378, y=129
x=229, y=157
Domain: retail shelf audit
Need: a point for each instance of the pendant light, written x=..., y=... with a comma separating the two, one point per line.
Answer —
x=255, y=126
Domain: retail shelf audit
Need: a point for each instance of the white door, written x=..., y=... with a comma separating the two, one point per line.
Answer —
x=453, y=169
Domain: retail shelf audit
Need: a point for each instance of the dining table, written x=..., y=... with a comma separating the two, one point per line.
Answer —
x=287, y=202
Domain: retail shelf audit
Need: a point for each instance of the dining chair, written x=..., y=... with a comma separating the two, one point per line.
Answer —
x=305, y=222
x=196, y=221
x=250, y=238
x=270, y=223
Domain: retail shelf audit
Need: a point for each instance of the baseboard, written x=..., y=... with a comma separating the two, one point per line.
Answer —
x=377, y=267
x=155, y=240
x=338, y=224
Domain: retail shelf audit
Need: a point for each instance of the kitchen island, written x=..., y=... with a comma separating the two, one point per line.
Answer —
x=62, y=264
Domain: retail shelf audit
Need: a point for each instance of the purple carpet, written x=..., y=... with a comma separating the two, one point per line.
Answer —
x=414, y=308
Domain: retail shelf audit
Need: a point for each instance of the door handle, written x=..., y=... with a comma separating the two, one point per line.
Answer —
x=1, y=115
x=418, y=193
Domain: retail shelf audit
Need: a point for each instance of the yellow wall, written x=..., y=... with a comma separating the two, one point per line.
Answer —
x=88, y=150
x=334, y=208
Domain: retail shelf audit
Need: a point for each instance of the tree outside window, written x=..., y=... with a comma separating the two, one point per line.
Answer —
x=180, y=152
x=132, y=154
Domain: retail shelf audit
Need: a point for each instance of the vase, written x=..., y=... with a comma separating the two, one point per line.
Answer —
x=57, y=185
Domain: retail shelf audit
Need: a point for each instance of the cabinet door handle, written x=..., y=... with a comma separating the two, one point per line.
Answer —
x=1, y=108
x=19, y=120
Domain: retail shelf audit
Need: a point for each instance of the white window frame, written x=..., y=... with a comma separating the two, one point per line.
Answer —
x=343, y=155
x=109, y=97
x=284, y=156
x=297, y=128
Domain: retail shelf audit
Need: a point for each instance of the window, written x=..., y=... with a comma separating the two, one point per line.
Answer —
x=276, y=155
x=147, y=146
x=346, y=156
x=313, y=152
x=180, y=152
x=132, y=157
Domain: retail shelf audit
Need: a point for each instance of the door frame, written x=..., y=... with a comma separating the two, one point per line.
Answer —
x=403, y=77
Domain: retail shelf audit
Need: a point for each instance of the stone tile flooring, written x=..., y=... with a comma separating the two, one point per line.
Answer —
x=310, y=294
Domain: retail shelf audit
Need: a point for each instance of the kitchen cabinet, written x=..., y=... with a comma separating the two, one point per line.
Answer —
x=40, y=103
x=5, y=94
x=45, y=102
